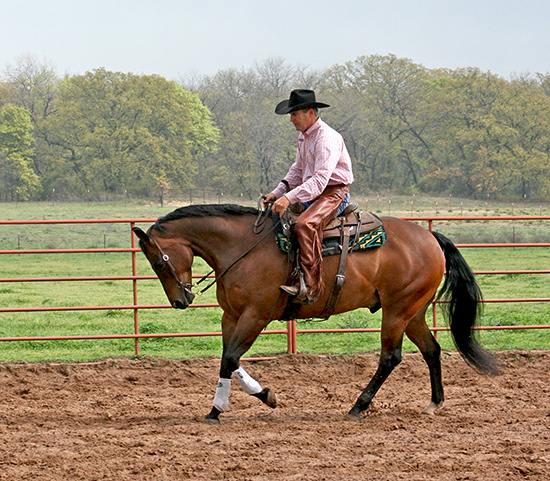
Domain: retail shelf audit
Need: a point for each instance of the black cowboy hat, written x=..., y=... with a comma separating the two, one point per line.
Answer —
x=299, y=100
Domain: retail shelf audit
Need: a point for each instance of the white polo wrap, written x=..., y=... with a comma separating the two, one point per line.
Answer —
x=221, y=399
x=249, y=385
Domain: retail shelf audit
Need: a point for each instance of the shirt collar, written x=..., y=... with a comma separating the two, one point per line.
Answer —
x=314, y=128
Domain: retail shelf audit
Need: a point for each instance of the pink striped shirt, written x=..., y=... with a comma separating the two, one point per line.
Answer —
x=321, y=160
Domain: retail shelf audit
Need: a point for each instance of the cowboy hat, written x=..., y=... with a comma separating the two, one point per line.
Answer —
x=299, y=100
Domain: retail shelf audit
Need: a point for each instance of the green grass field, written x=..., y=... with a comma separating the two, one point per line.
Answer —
x=110, y=292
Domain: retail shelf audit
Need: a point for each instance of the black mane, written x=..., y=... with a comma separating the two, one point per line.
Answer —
x=208, y=210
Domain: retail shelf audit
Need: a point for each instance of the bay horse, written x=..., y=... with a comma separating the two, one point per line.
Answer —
x=400, y=277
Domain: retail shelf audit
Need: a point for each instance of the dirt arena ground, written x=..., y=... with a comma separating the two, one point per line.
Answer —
x=141, y=419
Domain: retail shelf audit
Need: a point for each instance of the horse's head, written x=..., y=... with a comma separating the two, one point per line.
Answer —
x=171, y=260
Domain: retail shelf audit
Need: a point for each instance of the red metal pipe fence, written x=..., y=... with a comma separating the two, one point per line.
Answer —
x=291, y=330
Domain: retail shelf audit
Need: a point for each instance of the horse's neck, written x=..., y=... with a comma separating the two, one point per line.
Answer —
x=218, y=240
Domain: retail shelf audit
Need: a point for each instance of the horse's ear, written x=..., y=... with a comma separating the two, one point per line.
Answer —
x=141, y=235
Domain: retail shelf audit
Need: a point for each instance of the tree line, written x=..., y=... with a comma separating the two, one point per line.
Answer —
x=408, y=129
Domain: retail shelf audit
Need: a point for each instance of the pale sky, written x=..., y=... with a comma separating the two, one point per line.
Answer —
x=175, y=38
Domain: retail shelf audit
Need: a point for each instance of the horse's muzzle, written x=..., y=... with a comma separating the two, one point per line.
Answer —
x=177, y=304
x=184, y=303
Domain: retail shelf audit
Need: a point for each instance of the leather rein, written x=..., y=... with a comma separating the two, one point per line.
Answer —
x=185, y=286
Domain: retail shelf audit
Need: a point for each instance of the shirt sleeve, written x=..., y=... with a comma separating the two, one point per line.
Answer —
x=293, y=177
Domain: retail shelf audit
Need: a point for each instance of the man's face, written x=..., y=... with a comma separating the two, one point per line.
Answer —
x=303, y=119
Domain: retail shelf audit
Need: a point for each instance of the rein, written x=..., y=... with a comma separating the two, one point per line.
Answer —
x=258, y=228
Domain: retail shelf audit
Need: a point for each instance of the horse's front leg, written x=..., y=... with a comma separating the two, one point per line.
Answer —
x=238, y=337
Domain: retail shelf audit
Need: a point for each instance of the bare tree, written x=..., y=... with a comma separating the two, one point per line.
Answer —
x=34, y=86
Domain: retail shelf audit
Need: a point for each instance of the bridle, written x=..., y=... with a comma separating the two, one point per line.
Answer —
x=183, y=286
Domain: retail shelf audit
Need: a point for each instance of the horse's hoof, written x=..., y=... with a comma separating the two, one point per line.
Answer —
x=353, y=416
x=212, y=416
x=211, y=420
x=268, y=397
x=271, y=398
x=431, y=408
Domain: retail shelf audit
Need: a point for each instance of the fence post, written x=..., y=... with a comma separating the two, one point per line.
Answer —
x=292, y=347
x=134, y=288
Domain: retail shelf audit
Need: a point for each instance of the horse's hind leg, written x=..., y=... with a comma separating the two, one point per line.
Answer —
x=418, y=332
x=389, y=358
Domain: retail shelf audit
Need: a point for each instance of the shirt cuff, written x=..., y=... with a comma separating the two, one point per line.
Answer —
x=280, y=190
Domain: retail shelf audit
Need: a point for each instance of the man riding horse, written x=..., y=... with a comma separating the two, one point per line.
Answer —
x=320, y=179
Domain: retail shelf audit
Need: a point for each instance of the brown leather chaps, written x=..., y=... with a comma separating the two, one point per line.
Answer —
x=309, y=227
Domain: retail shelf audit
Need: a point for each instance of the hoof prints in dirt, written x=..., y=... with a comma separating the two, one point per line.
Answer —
x=144, y=420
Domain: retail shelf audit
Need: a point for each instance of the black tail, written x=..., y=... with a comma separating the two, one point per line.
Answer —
x=463, y=294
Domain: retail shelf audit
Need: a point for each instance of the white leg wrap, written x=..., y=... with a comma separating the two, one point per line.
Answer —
x=249, y=385
x=221, y=399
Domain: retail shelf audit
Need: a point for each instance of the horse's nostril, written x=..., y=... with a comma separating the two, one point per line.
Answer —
x=178, y=305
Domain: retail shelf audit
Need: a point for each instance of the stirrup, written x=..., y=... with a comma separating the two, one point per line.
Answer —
x=292, y=291
x=299, y=291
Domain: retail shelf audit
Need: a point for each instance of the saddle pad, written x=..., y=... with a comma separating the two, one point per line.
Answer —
x=367, y=240
x=331, y=246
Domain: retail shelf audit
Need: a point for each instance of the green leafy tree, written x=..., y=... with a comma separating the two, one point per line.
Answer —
x=116, y=132
x=33, y=85
x=522, y=130
x=408, y=128
x=379, y=113
x=18, y=181
x=492, y=138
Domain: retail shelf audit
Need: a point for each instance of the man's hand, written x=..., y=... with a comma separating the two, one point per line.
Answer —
x=280, y=205
x=267, y=199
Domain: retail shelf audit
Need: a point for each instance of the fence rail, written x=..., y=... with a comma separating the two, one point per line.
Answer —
x=291, y=330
